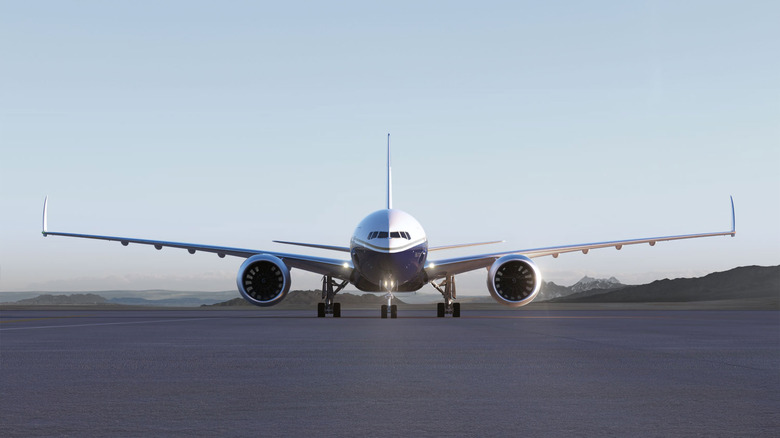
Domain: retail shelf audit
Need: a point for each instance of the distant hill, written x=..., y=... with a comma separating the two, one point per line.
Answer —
x=64, y=300
x=308, y=299
x=550, y=290
x=588, y=285
x=156, y=297
x=166, y=302
x=749, y=282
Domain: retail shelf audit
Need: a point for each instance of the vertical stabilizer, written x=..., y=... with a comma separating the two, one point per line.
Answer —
x=389, y=177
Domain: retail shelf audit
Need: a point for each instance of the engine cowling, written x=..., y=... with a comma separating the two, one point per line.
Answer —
x=263, y=280
x=514, y=280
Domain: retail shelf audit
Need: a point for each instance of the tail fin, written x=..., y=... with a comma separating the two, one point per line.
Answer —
x=389, y=177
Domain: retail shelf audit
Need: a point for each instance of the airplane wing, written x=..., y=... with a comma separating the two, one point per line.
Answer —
x=346, y=249
x=341, y=269
x=458, y=265
x=463, y=245
x=315, y=245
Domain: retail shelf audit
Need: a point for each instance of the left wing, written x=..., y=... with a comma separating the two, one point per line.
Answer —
x=463, y=245
x=458, y=265
x=341, y=269
x=315, y=245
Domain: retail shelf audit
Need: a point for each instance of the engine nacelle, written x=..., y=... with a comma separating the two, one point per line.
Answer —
x=514, y=280
x=263, y=280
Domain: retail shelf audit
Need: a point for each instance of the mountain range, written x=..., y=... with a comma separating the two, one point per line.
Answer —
x=551, y=291
x=298, y=299
x=749, y=283
x=744, y=283
x=155, y=297
x=63, y=300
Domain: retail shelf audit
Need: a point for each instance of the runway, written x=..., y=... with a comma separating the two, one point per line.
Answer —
x=287, y=373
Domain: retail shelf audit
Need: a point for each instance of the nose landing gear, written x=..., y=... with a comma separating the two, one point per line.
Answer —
x=389, y=306
x=392, y=307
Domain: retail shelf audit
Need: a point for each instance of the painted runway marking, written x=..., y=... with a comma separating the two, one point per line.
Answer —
x=40, y=319
x=568, y=317
x=270, y=316
x=507, y=317
x=103, y=324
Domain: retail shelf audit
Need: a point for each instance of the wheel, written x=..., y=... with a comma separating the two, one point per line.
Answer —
x=384, y=310
x=393, y=311
x=440, y=310
x=320, y=310
x=337, y=310
x=456, y=310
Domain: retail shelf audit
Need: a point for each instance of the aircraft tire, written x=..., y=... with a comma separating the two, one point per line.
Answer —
x=393, y=311
x=440, y=310
x=320, y=310
x=456, y=310
x=384, y=311
x=337, y=310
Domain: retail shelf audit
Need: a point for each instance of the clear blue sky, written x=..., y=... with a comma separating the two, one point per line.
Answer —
x=235, y=123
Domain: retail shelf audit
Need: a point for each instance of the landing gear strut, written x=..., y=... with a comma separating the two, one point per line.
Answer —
x=448, y=307
x=389, y=306
x=392, y=307
x=328, y=294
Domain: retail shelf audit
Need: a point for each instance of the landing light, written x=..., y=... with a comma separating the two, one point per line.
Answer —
x=345, y=265
x=431, y=265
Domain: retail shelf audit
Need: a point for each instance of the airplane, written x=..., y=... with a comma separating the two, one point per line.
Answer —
x=389, y=253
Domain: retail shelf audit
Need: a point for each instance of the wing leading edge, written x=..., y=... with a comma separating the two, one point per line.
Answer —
x=458, y=265
x=336, y=268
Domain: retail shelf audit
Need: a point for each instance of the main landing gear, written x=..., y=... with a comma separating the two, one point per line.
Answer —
x=328, y=294
x=448, y=307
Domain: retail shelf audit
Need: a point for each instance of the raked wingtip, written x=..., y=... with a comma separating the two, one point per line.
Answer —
x=45, y=225
x=733, y=218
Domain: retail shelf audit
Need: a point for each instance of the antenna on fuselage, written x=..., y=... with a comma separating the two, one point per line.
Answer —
x=389, y=177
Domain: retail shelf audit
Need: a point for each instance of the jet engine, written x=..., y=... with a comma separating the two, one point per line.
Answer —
x=263, y=280
x=514, y=280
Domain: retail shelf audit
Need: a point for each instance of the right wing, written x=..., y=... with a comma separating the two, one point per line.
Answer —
x=341, y=269
x=458, y=265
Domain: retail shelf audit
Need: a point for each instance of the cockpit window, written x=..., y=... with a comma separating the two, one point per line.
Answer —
x=392, y=235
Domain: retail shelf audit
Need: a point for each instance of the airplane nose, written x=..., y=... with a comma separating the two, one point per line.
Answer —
x=382, y=269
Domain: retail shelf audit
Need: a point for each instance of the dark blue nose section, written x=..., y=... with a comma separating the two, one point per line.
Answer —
x=399, y=268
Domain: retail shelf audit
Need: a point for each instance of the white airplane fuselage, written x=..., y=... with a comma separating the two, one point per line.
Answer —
x=389, y=249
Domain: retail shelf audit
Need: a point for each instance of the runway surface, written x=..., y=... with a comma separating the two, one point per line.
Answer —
x=287, y=373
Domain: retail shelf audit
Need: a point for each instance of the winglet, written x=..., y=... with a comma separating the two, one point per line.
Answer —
x=45, y=216
x=389, y=177
x=733, y=218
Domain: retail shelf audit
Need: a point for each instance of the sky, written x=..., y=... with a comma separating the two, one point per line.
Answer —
x=239, y=122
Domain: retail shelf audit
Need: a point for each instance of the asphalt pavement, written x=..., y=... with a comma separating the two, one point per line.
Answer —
x=489, y=373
